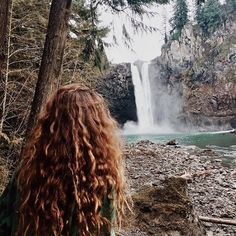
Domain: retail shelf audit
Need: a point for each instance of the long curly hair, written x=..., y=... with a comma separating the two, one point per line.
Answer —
x=72, y=160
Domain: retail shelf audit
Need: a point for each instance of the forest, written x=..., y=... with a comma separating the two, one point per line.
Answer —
x=80, y=54
x=46, y=44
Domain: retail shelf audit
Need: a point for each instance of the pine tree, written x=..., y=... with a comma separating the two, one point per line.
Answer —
x=89, y=34
x=232, y=5
x=210, y=16
x=50, y=69
x=180, y=18
x=199, y=16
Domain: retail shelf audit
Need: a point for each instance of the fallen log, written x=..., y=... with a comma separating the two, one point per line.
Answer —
x=217, y=220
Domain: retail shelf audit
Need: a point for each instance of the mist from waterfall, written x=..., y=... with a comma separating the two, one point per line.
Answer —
x=158, y=104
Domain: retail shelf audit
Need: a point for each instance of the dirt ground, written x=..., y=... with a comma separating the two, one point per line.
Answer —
x=211, y=185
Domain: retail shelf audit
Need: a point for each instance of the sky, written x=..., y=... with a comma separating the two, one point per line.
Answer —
x=146, y=46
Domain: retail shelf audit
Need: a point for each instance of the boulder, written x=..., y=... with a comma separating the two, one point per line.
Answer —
x=164, y=209
x=172, y=142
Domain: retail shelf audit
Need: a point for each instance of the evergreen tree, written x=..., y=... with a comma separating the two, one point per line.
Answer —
x=232, y=5
x=89, y=34
x=179, y=19
x=210, y=16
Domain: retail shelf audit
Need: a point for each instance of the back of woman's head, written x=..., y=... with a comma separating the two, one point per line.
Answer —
x=71, y=162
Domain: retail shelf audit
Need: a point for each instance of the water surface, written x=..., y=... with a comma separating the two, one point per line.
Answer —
x=222, y=142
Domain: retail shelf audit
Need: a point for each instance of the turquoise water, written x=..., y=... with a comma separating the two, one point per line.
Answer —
x=222, y=142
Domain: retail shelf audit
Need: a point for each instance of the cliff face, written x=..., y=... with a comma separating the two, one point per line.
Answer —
x=117, y=88
x=203, y=72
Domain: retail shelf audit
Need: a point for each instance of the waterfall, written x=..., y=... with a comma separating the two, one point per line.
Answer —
x=142, y=89
x=158, y=102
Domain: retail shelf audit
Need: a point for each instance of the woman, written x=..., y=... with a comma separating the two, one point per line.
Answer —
x=70, y=180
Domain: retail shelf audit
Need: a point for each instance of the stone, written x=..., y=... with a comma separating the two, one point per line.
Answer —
x=118, y=89
x=211, y=191
x=172, y=142
x=165, y=209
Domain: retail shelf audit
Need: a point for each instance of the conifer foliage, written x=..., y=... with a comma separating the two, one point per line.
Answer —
x=232, y=5
x=210, y=16
x=56, y=34
x=180, y=18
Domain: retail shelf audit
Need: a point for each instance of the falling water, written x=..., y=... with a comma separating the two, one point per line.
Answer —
x=143, y=99
x=158, y=104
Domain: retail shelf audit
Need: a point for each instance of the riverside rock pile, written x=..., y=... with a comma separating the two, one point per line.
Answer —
x=211, y=185
x=211, y=190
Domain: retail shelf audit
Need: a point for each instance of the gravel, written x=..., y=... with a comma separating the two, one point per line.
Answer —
x=212, y=185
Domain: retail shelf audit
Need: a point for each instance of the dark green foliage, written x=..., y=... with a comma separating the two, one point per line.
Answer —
x=84, y=56
x=176, y=35
x=135, y=5
x=89, y=35
x=231, y=4
x=180, y=18
x=210, y=16
x=199, y=2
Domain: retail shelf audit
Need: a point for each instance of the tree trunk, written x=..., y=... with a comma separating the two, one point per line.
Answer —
x=51, y=63
x=4, y=51
x=4, y=11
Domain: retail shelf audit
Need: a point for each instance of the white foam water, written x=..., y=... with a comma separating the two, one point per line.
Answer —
x=144, y=104
x=142, y=90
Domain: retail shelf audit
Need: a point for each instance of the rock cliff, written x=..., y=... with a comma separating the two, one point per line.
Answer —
x=203, y=72
x=118, y=90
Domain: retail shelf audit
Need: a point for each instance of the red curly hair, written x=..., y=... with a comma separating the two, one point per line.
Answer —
x=72, y=160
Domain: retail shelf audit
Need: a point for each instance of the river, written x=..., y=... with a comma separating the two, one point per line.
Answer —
x=223, y=143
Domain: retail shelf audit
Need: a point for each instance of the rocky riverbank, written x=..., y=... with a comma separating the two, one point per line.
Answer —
x=211, y=185
x=173, y=207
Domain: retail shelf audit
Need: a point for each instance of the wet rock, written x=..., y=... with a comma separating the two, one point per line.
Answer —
x=172, y=142
x=201, y=75
x=233, y=132
x=118, y=89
